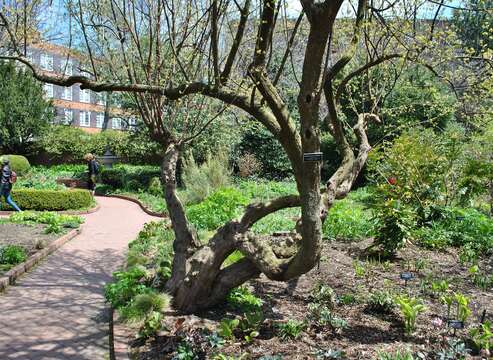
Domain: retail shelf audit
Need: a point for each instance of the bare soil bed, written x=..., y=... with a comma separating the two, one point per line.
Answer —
x=366, y=333
x=31, y=237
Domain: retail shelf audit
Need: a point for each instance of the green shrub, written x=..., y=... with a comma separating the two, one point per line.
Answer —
x=241, y=298
x=259, y=142
x=68, y=143
x=202, y=180
x=282, y=220
x=126, y=286
x=155, y=187
x=12, y=254
x=262, y=190
x=141, y=305
x=217, y=209
x=414, y=174
x=18, y=163
x=349, y=220
x=132, y=178
x=468, y=229
x=51, y=200
x=291, y=329
x=54, y=222
x=380, y=302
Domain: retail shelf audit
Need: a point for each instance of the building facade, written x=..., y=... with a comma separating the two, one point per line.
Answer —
x=74, y=106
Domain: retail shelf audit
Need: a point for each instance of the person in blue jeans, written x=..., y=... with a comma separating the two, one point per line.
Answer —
x=6, y=185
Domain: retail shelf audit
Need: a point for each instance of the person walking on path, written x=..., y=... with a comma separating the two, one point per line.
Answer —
x=7, y=180
x=93, y=168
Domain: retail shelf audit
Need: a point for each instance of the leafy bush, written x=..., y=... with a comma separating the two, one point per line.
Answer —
x=25, y=113
x=482, y=336
x=127, y=286
x=155, y=187
x=202, y=180
x=241, y=298
x=410, y=309
x=291, y=329
x=468, y=229
x=418, y=171
x=51, y=200
x=262, y=190
x=152, y=325
x=18, y=163
x=142, y=305
x=45, y=178
x=348, y=220
x=381, y=302
x=282, y=220
x=69, y=144
x=218, y=208
x=260, y=143
x=55, y=222
x=132, y=178
x=12, y=254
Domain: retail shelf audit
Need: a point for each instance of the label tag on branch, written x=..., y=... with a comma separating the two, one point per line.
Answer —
x=313, y=157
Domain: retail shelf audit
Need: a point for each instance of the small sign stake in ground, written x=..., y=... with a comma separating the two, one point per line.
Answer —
x=456, y=324
x=313, y=157
x=407, y=276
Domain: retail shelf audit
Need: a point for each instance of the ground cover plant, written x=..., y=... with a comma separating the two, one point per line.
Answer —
x=400, y=271
x=23, y=234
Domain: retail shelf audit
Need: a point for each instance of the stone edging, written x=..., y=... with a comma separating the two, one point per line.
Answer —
x=138, y=202
x=13, y=274
x=65, y=212
x=118, y=338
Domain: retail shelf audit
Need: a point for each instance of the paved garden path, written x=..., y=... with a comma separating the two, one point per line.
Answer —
x=57, y=311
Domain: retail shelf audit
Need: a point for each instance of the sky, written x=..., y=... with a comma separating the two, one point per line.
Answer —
x=56, y=22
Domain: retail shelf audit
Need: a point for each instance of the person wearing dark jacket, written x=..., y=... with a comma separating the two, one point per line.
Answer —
x=6, y=184
x=92, y=167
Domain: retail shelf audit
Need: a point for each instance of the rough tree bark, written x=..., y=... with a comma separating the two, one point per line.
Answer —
x=198, y=278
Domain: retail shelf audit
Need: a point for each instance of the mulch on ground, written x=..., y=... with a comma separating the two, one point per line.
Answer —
x=366, y=334
x=31, y=237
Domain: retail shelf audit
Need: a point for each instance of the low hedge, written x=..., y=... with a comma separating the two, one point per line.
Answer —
x=135, y=179
x=18, y=163
x=50, y=200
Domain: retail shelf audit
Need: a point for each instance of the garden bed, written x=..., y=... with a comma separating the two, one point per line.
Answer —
x=30, y=237
x=366, y=333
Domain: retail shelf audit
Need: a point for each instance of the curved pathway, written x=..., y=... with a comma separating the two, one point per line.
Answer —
x=57, y=311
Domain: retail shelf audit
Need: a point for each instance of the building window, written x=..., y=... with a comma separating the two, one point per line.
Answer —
x=101, y=99
x=116, y=123
x=68, y=117
x=132, y=123
x=99, y=120
x=67, y=93
x=46, y=62
x=85, y=118
x=48, y=89
x=85, y=95
x=69, y=68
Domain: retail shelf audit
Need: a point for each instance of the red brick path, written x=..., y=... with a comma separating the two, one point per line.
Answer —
x=57, y=311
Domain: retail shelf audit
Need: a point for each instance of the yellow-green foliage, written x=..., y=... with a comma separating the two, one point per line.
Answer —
x=202, y=180
x=50, y=200
x=18, y=163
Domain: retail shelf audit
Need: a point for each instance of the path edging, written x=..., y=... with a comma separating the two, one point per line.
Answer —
x=117, y=338
x=138, y=202
x=13, y=274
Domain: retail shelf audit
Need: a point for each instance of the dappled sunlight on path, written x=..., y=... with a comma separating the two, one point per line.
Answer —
x=57, y=311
